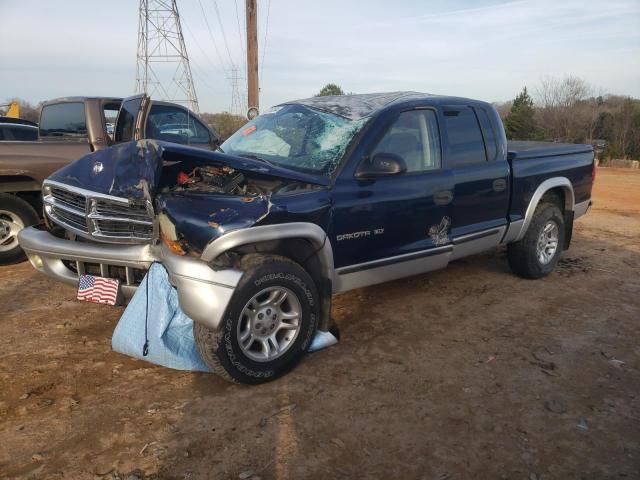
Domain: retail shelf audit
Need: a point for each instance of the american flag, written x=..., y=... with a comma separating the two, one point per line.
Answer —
x=98, y=289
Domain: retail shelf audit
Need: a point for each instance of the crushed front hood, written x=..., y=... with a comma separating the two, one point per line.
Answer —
x=132, y=170
x=191, y=220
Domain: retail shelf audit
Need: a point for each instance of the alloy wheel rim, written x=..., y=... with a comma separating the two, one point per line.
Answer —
x=547, y=244
x=10, y=225
x=269, y=324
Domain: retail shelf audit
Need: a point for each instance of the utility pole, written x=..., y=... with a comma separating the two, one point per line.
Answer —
x=163, y=69
x=251, y=7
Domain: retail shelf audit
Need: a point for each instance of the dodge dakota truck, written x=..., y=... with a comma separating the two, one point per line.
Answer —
x=69, y=129
x=312, y=198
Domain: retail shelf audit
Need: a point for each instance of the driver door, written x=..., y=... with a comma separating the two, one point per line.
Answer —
x=140, y=118
x=396, y=225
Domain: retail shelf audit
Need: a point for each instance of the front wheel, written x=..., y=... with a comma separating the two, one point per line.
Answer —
x=537, y=254
x=15, y=214
x=268, y=324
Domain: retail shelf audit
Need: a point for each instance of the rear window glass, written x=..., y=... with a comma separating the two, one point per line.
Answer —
x=488, y=133
x=464, y=140
x=63, y=120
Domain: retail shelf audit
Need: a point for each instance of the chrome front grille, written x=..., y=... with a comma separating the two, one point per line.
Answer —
x=68, y=198
x=67, y=208
x=97, y=216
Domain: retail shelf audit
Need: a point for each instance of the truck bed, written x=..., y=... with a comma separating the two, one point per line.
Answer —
x=521, y=150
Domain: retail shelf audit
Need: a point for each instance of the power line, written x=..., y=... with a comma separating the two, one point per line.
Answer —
x=264, y=41
x=224, y=36
x=204, y=53
x=240, y=30
x=200, y=72
x=213, y=40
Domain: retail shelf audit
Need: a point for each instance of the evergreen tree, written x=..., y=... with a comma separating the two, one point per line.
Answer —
x=330, y=89
x=521, y=124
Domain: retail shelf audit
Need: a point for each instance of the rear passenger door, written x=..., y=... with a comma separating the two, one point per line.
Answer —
x=481, y=177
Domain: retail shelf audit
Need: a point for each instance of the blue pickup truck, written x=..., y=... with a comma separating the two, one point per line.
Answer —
x=312, y=198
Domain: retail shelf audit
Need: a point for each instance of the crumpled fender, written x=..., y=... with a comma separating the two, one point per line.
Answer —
x=201, y=218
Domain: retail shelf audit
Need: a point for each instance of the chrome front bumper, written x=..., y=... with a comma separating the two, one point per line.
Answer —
x=203, y=293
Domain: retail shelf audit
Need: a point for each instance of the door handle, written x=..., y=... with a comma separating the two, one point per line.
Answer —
x=499, y=185
x=443, y=197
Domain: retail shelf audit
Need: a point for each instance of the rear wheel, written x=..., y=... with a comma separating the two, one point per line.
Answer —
x=268, y=325
x=15, y=214
x=537, y=254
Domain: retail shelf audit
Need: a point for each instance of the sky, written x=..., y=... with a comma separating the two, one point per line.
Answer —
x=480, y=49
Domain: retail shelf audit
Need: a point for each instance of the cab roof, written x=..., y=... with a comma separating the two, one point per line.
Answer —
x=357, y=106
x=81, y=99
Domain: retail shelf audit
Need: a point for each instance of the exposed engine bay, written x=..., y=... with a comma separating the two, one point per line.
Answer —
x=209, y=179
x=226, y=180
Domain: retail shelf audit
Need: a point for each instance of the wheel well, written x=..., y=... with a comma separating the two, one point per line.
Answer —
x=300, y=250
x=24, y=187
x=555, y=196
x=562, y=197
x=305, y=254
x=558, y=197
x=32, y=198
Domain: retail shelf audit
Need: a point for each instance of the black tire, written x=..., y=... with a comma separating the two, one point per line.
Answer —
x=523, y=255
x=221, y=351
x=13, y=208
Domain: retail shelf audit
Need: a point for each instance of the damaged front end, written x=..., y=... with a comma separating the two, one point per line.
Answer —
x=149, y=191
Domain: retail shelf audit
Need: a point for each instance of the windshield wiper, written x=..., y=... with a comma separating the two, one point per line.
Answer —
x=256, y=157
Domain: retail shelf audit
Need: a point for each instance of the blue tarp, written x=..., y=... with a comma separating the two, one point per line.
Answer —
x=169, y=330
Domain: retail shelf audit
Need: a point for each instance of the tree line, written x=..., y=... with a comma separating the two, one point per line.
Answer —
x=224, y=123
x=560, y=110
x=570, y=110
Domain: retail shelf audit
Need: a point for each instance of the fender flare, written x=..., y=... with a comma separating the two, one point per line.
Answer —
x=544, y=187
x=309, y=231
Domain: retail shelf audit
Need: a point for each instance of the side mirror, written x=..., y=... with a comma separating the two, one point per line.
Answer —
x=382, y=164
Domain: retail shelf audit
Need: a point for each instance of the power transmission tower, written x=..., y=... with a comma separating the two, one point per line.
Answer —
x=237, y=107
x=163, y=68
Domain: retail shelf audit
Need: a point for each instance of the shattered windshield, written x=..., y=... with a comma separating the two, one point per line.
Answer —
x=295, y=137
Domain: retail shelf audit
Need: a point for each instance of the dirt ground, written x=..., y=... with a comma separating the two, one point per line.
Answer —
x=466, y=373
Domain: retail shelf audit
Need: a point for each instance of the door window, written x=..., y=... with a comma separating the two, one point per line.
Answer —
x=63, y=120
x=488, y=133
x=414, y=137
x=464, y=139
x=177, y=125
x=110, y=111
x=126, y=121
